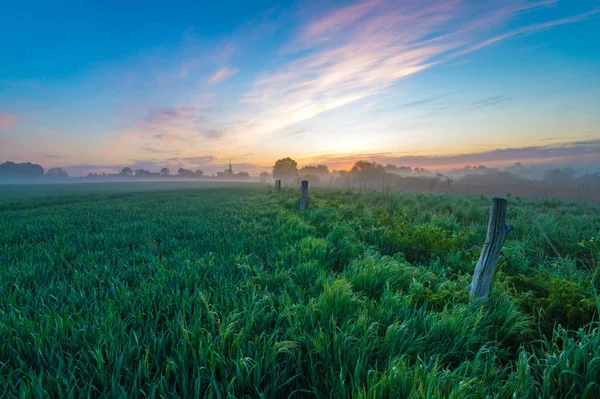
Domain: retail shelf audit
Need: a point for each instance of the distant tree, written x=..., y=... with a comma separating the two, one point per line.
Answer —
x=367, y=169
x=127, y=171
x=91, y=175
x=319, y=170
x=595, y=177
x=368, y=174
x=185, y=172
x=142, y=173
x=448, y=179
x=242, y=175
x=198, y=173
x=26, y=170
x=57, y=173
x=264, y=177
x=285, y=169
x=165, y=172
x=518, y=169
x=559, y=174
x=399, y=170
x=314, y=174
x=313, y=180
x=220, y=175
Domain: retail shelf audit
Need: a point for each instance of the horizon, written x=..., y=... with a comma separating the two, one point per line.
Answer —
x=438, y=84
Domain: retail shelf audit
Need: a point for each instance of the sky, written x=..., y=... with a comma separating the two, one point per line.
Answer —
x=96, y=86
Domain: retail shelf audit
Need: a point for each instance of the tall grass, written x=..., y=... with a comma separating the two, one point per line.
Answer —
x=231, y=292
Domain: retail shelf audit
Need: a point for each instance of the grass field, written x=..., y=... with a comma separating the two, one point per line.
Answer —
x=222, y=291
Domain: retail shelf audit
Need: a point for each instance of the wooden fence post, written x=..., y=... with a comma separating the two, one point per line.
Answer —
x=496, y=234
x=304, y=195
x=278, y=185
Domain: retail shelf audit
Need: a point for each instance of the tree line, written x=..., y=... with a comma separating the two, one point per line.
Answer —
x=27, y=170
x=286, y=170
x=363, y=174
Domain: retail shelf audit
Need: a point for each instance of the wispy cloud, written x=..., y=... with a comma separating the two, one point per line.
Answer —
x=358, y=51
x=170, y=126
x=490, y=101
x=156, y=118
x=213, y=133
x=7, y=121
x=329, y=25
x=165, y=132
x=221, y=75
x=531, y=29
x=171, y=129
x=198, y=160
x=151, y=150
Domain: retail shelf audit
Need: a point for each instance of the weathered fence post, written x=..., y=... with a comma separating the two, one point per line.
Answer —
x=304, y=195
x=278, y=185
x=496, y=234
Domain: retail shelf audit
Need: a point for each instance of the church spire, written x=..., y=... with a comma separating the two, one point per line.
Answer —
x=229, y=172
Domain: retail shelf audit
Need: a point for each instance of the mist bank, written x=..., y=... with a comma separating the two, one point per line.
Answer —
x=534, y=181
x=518, y=180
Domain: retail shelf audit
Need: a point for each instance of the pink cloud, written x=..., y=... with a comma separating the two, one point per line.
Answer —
x=362, y=49
x=7, y=121
x=169, y=131
x=221, y=75
x=338, y=19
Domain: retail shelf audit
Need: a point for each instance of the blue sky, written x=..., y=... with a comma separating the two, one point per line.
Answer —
x=434, y=83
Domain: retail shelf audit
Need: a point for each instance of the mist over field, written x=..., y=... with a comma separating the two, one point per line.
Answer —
x=532, y=181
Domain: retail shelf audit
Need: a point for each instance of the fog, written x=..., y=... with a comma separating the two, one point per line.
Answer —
x=569, y=182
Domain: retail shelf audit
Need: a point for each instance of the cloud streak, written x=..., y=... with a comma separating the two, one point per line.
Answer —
x=357, y=51
x=531, y=29
x=490, y=101
x=221, y=75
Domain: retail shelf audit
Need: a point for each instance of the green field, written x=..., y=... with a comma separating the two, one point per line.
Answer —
x=193, y=290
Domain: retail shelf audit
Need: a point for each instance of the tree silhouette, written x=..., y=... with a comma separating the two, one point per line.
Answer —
x=368, y=173
x=13, y=170
x=165, y=172
x=126, y=171
x=56, y=173
x=185, y=172
x=264, y=177
x=367, y=169
x=318, y=170
x=285, y=169
x=442, y=176
x=557, y=174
